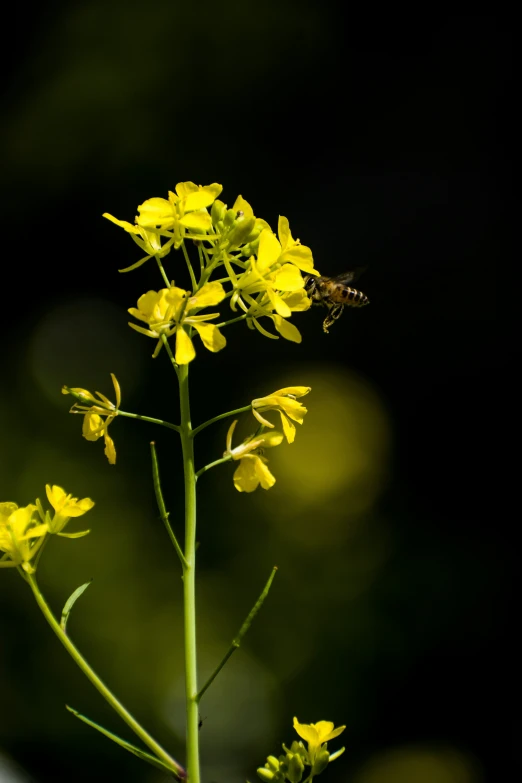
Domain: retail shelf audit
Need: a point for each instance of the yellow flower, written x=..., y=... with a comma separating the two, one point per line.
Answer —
x=252, y=469
x=170, y=310
x=184, y=210
x=65, y=507
x=285, y=251
x=148, y=241
x=98, y=415
x=20, y=536
x=316, y=734
x=284, y=401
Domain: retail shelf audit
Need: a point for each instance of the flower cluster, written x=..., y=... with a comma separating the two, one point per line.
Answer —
x=291, y=765
x=171, y=311
x=252, y=470
x=23, y=530
x=264, y=272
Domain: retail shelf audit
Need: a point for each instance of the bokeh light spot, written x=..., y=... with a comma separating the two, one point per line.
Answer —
x=420, y=765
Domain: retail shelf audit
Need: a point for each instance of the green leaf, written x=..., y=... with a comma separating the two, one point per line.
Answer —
x=141, y=754
x=66, y=611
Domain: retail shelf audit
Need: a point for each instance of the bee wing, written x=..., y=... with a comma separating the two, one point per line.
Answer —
x=348, y=277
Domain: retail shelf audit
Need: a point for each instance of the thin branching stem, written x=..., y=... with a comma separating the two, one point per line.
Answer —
x=150, y=419
x=161, y=505
x=163, y=273
x=236, y=642
x=91, y=675
x=213, y=465
x=244, y=409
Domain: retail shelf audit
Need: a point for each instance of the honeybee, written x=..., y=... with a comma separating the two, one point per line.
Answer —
x=334, y=293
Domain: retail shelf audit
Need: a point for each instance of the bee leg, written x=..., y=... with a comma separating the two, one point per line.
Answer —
x=334, y=313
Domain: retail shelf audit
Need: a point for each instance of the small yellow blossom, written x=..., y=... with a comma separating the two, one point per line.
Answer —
x=183, y=210
x=98, y=415
x=316, y=734
x=65, y=506
x=169, y=311
x=284, y=401
x=252, y=469
x=20, y=536
x=148, y=241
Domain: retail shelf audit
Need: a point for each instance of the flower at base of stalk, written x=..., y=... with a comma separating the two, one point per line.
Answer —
x=317, y=734
x=285, y=402
x=65, y=507
x=21, y=536
x=98, y=414
x=291, y=766
x=171, y=310
x=252, y=470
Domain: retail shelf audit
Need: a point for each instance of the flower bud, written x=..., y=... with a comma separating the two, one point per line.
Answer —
x=321, y=761
x=272, y=763
x=218, y=211
x=229, y=217
x=240, y=231
x=295, y=768
x=265, y=774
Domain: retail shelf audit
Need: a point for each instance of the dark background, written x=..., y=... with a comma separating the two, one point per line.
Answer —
x=380, y=137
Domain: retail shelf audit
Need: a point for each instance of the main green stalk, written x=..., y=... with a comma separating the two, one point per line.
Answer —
x=189, y=580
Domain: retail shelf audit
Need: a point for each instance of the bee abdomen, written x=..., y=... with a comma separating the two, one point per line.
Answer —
x=354, y=298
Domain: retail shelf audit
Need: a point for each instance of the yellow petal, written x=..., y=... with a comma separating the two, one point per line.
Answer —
x=209, y=294
x=155, y=212
x=79, y=507
x=270, y=439
x=279, y=304
x=261, y=419
x=109, y=451
x=245, y=477
x=306, y=732
x=286, y=329
x=93, y=426
x=284, y=233
x=123, y=224
x=301, y=256
x=197, y=220
x=298, y=301
x=266, y=479
x=211, y=337
x=288, y=428
x=184, y=349
x=295, y=391
x=117, y=389
x=240, y=205
x=203, y=197
x=269, y=250
x=288, y=278
x=55, y=495
x=326, y=731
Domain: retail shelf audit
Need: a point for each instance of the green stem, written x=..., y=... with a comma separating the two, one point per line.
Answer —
x=165, y=342
x=213, y=465
x=149, y=418
x=91, y=675
x=189, y=582
x=232, y=321
x=242, y=631
x=161, y=504
x=163, y=273
x=197, y=430
x=191, y=271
